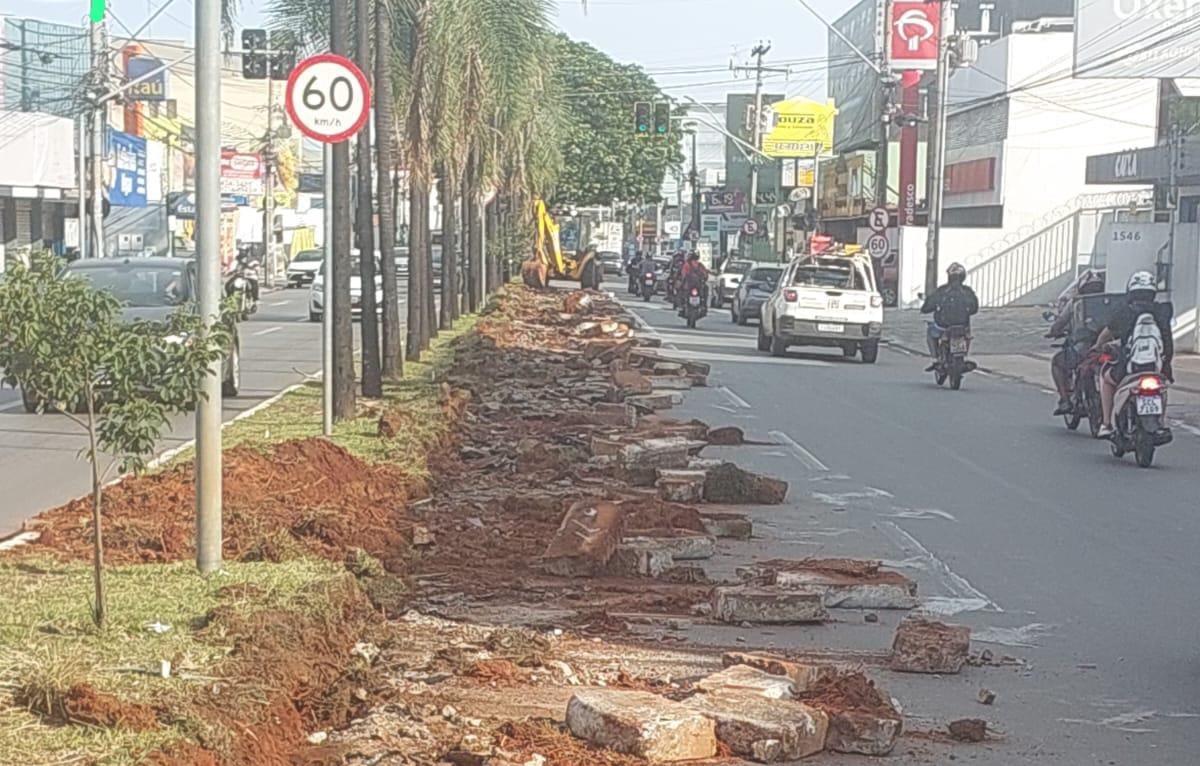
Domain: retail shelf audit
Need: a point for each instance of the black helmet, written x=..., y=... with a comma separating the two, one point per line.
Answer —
x=956, y=273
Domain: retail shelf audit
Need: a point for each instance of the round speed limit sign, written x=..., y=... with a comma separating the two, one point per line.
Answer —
x=328, y=98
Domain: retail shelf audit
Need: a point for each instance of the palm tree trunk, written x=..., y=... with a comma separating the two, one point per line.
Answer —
x=418, y=239
x=372, y=383
x=474, y=232
x=392, y=363
x=339, y=285
x=449, y=197
x=498, y=230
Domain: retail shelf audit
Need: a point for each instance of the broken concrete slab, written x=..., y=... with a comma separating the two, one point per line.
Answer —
x=631, y=382
x=698, y=368
x=802, y=675
x=680, y=485
x=767, y=606
x=884, y=590
x=667, y=368
x=586, y=539
x=730, y=525
x=726, y=436
x=744, y=679
x=602, y=446
x=766, y=730
x=729, y=484
x=665, y=452
x=635, y=560
x=614, y=414
x=663, y=400
x=670, y=383
x=682, y=546
x=922, y=645
x=641, y=724
x=862, y=732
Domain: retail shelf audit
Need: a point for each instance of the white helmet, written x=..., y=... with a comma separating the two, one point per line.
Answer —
x=1141, y=281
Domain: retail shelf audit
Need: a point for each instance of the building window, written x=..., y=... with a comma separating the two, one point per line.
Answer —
x=982, y=217
x=1188, y=212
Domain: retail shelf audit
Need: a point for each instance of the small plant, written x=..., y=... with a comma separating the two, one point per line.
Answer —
x=65, y=343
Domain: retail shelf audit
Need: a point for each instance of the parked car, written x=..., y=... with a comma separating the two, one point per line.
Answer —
x=753, y=292
x=304, y=267
x=611, y=262
x=824, y=300
x=727, y=281
x=149, y=289
x=316, y=293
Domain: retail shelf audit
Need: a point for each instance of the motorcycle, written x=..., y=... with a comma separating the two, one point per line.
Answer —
x=648, y=284
x=1139, y=412
x=1085, y=392
x=243, y=284
x=952, y=362
x=693, y=306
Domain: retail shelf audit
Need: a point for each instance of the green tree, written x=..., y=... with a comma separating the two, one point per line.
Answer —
x=67, y=346
x=603, y=159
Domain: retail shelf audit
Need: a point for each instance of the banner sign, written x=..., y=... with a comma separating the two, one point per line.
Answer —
x=127, y=155
x=914, y=34
x=799, y=127
x=153, y=88
x=241, y=174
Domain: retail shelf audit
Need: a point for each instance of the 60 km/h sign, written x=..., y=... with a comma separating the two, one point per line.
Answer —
x=328, y=98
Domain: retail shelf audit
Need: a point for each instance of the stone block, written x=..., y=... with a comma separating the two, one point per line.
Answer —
x=662, y=400
x=683, y=546
x=928, y=646
x=614, y=414
x=731, y=525
x=727, y=483
x=632, y=382
x=884, y=590
x=862, y=732
x=670, y=383
x=803, y=675
x=766, y=730
x=726, y=436
x=767, y=606
x=634, y=560
x=743, y=679
x=698, y=368
x=667, y=452
x=680, y=485
x=586, y=539
x=605, y=447
x=667, y=368
x=641, y=724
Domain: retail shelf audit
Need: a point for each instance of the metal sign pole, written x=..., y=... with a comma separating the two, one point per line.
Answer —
x=327, y=307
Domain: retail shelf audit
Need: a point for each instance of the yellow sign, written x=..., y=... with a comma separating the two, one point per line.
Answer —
x=799, y=128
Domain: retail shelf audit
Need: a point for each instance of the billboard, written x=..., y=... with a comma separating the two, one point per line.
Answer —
x=127, y=162
x=1129, y=39
x=798, y=127
x=154, y=87
x=914, y=34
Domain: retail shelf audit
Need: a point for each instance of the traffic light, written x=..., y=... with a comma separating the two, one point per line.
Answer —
x=641, y=118
x=662, y=118
x=283, y=55
x=254, y=64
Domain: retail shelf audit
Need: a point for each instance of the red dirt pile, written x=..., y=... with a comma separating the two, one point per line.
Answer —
x=306, y=495
x=847, y=692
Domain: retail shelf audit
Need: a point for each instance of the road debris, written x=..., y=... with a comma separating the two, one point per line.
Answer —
x=642, y=724
x=986, y=697
x=927, y=646
x=969, y=730
x=766, y=606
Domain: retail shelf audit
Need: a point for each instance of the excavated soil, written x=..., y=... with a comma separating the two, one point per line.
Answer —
x=301, y=496
x=558, y=747
x=848, y=692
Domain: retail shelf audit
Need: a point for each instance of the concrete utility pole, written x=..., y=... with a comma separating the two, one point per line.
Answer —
x=208, y=262
x=695, y=181
x=269, y=188
x=81, y=139
x=937, y=150
x=759, y=51
x=98, y=42
x=338, y=283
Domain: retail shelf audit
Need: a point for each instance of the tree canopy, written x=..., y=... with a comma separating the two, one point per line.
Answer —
x=603, y=158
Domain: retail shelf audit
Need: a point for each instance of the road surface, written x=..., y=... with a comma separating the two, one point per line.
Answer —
x=1083, y=567
x=40, y=464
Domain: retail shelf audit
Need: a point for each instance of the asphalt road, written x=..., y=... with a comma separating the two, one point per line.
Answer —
x=1082, y=566
x=40, y=462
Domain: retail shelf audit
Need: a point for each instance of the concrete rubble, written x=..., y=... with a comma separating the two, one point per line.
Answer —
x=762, y=729
x=735, y=526
x=681, y=485
x=841, y=583
x=744, y=679
x=727, y=483
x=766, y=606
x=585, y=541
x=801, y=675
x=641, y=724
x=922, y=645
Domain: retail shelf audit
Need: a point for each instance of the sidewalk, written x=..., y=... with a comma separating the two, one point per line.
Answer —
x=1009, y=342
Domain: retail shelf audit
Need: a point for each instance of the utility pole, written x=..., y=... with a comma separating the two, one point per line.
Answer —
x=98, y=42
x=81, y=139
x=937, y=150
x=339, y=281
x=885, y=122
x=758, y=52
x=208, y=262
x=269, y=187
x=695, y=181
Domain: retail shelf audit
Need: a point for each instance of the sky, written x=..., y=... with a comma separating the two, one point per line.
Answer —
x=686, y=45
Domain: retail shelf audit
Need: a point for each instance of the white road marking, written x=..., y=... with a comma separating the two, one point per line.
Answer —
x=11, y=405
x=806, y=458
x=267, y=331
x=734, y=398
x=1025, y=636
x=919, y=513
x=847, y=498
x=954, y=583
x=724, y=408
x=304, y=319
x=1191, y=429
x=984, y=373
x=279, y=303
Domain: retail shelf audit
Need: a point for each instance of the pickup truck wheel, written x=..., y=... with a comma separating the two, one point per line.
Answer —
x=870, y=351
x=778, y=346
x=764, y=343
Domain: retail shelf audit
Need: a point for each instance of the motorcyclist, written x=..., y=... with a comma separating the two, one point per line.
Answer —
x=1089, y=283
x=951, y=304
x=1139, y=293
x=634, y=270
x=694, y=274
x=675, y=273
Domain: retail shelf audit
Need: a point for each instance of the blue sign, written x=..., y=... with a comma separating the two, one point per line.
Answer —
x=128, y=157
x=153, y=88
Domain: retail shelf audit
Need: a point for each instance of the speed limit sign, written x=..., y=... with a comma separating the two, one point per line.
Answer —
x=877, y=246
x=328, y=98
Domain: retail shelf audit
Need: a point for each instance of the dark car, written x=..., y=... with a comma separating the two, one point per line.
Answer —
x=611, y=262
x=754, y=290
x=150, y=289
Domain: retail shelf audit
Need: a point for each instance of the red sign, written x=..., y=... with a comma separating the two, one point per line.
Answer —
x=241, y=174
x=914, y=34
x=971, y=176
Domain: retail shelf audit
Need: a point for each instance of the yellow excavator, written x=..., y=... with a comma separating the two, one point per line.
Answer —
x=548, y=260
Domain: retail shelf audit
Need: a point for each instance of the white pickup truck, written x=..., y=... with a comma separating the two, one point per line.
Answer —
x=824, y=300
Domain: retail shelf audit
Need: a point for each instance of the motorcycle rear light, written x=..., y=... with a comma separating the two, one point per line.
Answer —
x=876, y=301
x=791, y=296
x=695, y=291
x=1106, y=359
x=1149, y=386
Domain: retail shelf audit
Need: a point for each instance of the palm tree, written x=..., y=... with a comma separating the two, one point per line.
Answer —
x=392, y=362
x=372, y=382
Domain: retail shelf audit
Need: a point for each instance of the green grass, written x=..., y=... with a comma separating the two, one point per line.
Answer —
x=46, y=632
